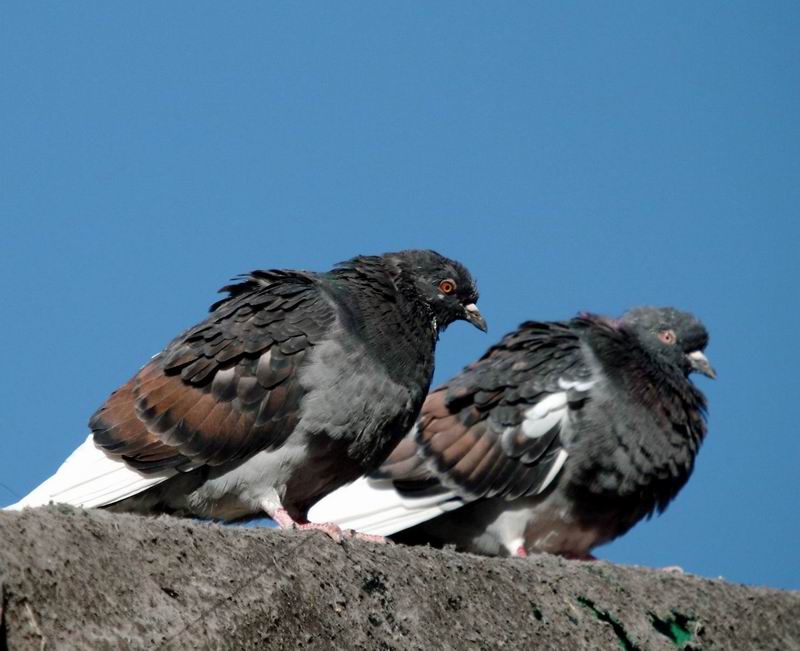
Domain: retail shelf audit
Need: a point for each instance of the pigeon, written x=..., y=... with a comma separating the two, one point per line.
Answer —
x=296, y=383
x=559, y=439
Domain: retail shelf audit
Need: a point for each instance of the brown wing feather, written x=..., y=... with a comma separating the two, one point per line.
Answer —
x=224, y=389
x=467, y=427
x=404, y=463
x=119, y=430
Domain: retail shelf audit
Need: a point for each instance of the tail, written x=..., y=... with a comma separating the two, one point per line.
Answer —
x=375, y=506
x=90, y=478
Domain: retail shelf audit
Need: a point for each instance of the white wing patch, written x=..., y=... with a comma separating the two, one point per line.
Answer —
x=543, y=416
x=375, y=507
x=90, y=478
x=576, y=385
x=552, y=412
x=538, y=421
x=553, y=402
x=554, y=469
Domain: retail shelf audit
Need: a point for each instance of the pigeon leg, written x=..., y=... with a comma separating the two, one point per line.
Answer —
x=516, y=548
x=285, y=521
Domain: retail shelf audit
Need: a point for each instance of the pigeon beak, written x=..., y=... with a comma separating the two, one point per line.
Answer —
x=700, y=364
x=473, y=315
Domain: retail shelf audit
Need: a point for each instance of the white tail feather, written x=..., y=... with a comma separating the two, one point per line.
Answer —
x=89, y=478
x=375, y=507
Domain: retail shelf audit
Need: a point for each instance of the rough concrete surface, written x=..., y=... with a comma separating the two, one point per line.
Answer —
x=95, y=580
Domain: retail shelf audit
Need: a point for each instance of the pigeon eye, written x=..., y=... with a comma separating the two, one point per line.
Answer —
x=667, y=336
x=447, y=286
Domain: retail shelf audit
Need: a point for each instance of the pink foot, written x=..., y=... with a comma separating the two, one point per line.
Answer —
x=285, y=521
x=335, y=533
x=521, y=553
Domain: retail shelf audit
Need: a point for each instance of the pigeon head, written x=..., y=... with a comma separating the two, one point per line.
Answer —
x=676, y=337
x=444, y=284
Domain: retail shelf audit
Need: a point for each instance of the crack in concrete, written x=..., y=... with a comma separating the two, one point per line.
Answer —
x=676, y=628
x=625, y=642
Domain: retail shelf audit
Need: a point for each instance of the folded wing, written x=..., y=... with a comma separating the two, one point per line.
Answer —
x=218, y=393
x=498, y=429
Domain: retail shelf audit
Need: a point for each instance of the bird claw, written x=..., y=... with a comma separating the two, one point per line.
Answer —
x=336, y=533
x=285, y=521
x=333, y=531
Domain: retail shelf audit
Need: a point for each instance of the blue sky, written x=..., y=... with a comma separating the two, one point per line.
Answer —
x=577, y=156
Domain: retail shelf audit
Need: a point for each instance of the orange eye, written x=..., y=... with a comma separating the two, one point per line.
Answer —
x=447, y=286
x=667, y=336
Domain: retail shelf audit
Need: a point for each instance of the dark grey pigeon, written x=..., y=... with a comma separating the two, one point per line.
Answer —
x=560, y=438
x=295, y=384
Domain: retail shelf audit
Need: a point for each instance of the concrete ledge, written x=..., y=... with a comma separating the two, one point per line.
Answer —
x=91, y=579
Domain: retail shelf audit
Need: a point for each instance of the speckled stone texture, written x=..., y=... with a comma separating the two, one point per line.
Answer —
x=95, y=580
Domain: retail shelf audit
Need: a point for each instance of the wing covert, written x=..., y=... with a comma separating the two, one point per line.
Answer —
x=496, y=429
x=226, y=388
